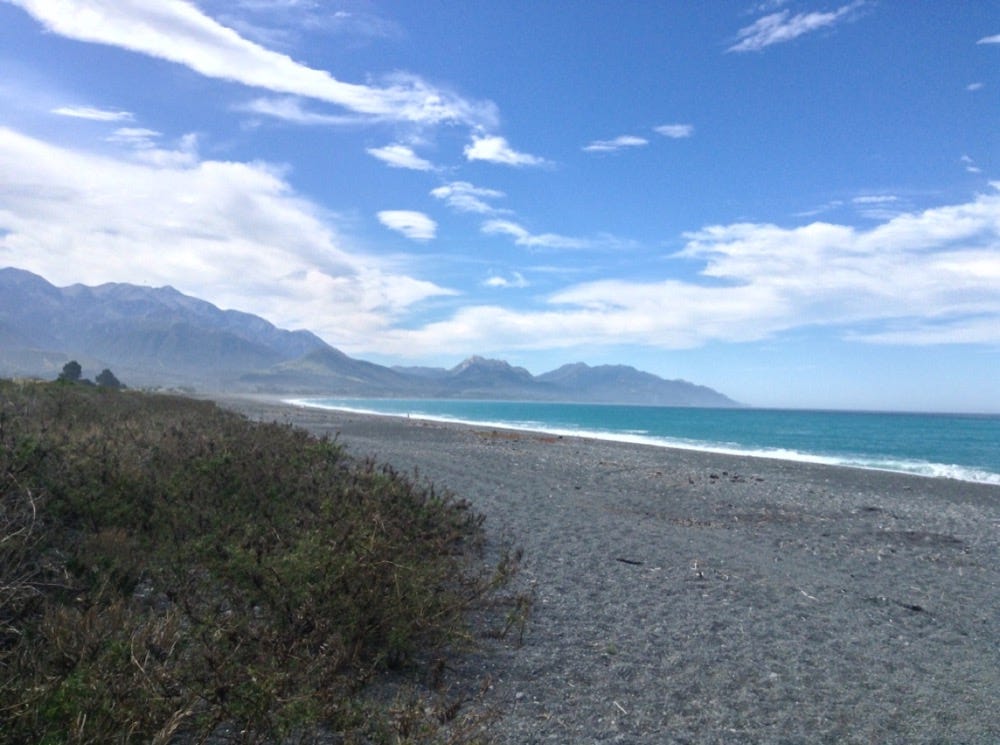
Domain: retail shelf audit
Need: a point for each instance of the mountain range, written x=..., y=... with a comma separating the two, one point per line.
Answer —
x=159, y=337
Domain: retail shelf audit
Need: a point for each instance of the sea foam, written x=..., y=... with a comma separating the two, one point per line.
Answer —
x=724, y=441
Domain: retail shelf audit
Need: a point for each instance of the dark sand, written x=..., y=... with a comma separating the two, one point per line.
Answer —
x=691, y=597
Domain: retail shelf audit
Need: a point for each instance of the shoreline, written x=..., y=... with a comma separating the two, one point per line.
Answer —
x=685, y=596
x=969, y=474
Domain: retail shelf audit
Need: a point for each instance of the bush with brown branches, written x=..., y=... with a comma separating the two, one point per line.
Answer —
x=170, y=571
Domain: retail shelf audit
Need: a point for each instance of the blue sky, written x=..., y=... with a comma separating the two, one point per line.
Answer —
x=796, y=202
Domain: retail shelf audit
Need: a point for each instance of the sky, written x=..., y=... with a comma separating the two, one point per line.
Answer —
x=796, y=202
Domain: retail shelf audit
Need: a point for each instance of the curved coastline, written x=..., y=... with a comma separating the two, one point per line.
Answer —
x=923, y=469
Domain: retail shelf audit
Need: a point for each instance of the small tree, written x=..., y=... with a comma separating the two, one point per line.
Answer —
x=107, y=379
x=71, y=372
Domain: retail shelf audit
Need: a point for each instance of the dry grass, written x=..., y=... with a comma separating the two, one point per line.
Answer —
x=171, y=572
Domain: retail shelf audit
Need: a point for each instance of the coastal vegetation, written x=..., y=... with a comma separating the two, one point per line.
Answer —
x=72, y=372
x=172, y=572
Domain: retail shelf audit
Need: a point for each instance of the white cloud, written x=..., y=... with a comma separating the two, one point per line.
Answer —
x=178, y=31
x=618, y=143
x=400, y=156
x=668, y=315
x=137, y=137
x=878, y=206
x=517, y=280
x=290, y=109
x=94, y=114
x=233, y=233
x=942, y=262
x=767, y=6
x=930, y=277
x=464, y=197
x=414, y=225
x=523, y=238
x=974, y=86
x=875, y=199
x=185, y=154
x=496, y=149
x=281, y=20
x=970, y=164
x=995, y=39
x=676, y=131
x=145, y=148
x=781, y=27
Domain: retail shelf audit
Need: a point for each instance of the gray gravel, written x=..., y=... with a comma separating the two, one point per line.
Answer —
x=684, y=597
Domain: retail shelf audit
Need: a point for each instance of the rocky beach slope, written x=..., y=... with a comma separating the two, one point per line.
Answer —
x=686, y=597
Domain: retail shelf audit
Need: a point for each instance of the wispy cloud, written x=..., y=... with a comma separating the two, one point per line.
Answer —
x=400, y=156
x=496, y=149
x=145, y=146
x=618, y=143
x=178, y=31
x=780, y=27
x=283, y=19
x=927, y=332
x=995, y=39
x=414, y=225
x=522, y=237
x=833, y=204
x=290, y=109
x=675, y=131
x=767, y=6
x=875, y=199
x=233, y=233
x=140, y=138
x=94, y=114
x=970, y=164
x=464, y=197
x=974, y=86
x=516, y=280
x=878, y=206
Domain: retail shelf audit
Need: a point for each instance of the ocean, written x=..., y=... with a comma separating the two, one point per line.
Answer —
x=955, y=446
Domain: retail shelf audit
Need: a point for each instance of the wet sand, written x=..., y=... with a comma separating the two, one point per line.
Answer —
x=688, y=597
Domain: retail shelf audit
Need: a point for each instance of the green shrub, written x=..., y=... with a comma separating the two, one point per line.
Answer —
x=170, y=570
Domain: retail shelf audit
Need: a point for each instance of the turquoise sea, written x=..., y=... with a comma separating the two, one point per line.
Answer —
x=957, y=446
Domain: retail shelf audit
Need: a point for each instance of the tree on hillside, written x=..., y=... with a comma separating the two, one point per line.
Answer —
x=107, y=379
x=71, y=372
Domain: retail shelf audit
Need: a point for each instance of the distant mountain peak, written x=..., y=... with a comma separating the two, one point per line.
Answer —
x=147, y=335
x=161, y=336
x=490, y=370
x=486, y=363
x=624, y=383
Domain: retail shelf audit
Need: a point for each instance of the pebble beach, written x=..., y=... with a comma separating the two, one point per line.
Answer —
x=688, y=597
